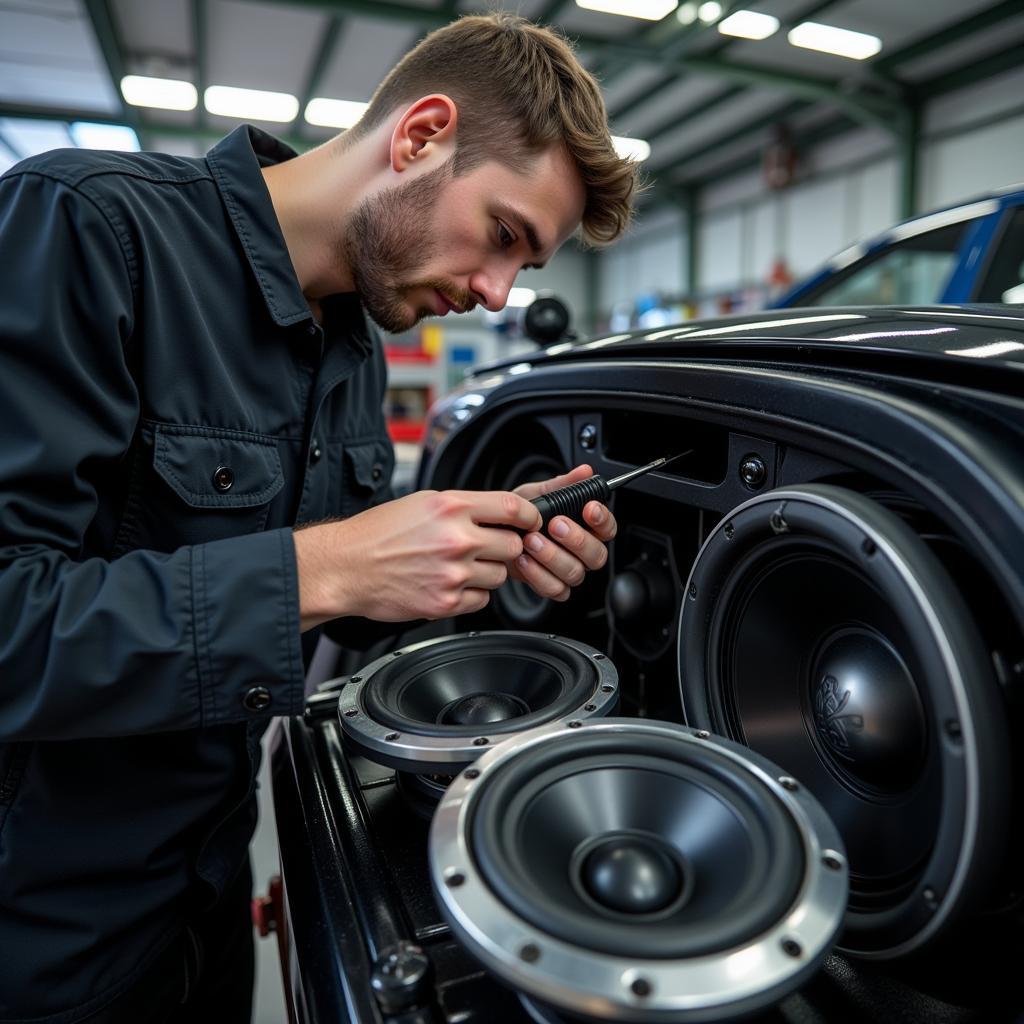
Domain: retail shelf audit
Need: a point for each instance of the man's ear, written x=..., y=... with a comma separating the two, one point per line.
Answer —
x=425, y=128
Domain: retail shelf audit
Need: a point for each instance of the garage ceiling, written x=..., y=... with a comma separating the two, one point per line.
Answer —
x=707, y=103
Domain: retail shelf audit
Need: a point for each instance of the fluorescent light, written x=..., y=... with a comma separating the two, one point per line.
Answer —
x=250, y=104
x=519, y=297
x=709, y=12
x=334, y=113
x=687, y=13
x=841, y=41
x=649, y=10
x=162, y=93
x=631, y=149
x=749, y=25
x=88, y=135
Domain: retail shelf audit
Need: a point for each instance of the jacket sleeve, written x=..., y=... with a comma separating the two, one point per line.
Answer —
x=149, y=641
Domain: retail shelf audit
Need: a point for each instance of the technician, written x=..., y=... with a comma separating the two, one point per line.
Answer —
x=194, y=477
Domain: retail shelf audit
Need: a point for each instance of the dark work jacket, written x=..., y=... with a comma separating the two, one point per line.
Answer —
x=169, y=408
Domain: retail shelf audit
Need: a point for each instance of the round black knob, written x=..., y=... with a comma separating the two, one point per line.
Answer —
x=631, y=874
x=753, y=471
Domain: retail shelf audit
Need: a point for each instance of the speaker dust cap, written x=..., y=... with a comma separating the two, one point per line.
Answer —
x=436, y=706
x=632, y=870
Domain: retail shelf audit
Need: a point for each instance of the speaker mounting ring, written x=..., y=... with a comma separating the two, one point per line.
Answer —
x=567, y=977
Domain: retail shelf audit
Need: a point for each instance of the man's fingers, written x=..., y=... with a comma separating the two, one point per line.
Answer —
x=534, y=490
x=600, y=520
x=502, y=508
x=540, y=578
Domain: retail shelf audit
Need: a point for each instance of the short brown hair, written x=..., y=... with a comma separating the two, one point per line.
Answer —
x=520, y=83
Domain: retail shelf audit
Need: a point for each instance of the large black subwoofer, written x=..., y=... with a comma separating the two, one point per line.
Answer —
x=436, y=706
x=630, y=870
x=821, y=632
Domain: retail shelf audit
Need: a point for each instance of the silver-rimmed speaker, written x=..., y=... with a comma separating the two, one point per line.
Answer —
x=434, y=707
x=637, y=870
x=819, y=630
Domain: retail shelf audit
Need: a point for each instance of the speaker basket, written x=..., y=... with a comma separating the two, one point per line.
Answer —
x=703, y=954
x=821, y=631
x=436, y=706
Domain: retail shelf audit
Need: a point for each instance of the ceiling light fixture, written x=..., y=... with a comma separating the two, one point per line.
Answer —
x=709, y=12
x=90, y=135
x=649, y=10
x=687, y=13
x=250, y=104
x=749, y=25
x=839, y=41
x=631, y=149
x=334, y=113
x=161, y=93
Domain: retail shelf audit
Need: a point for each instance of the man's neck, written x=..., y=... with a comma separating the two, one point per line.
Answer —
x=313, y=196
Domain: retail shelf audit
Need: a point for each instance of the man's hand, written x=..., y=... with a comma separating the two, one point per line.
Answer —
x=427, y=555
x=553, y=565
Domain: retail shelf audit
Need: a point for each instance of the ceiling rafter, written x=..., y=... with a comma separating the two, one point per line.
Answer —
x=200, y=45
x=113, y=56
x=332, y=36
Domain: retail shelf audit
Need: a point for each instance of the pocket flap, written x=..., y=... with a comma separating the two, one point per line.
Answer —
x=209, y=468
x=372, y=463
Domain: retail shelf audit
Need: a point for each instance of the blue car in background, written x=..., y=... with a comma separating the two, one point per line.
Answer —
x=973, y=252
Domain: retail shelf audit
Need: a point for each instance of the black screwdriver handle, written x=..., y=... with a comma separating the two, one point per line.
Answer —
x=571, y=499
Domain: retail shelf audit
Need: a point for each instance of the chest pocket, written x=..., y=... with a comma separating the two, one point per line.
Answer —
x=198, y=484
x=368, y=469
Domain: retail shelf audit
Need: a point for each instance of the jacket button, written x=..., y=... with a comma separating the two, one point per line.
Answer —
x=378, y=471
x=315, y=451
x=257, y=699
x=223, y=478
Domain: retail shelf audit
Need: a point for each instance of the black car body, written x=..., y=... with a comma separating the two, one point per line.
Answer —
x=909, y=419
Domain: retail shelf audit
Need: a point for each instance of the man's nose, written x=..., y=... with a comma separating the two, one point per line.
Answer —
x=491, y=288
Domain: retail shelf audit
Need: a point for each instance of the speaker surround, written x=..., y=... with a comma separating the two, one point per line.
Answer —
x=434, y=707
x=631, y=870
x=819, y=630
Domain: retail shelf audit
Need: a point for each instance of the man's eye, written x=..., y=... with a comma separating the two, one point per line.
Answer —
x=505, y=237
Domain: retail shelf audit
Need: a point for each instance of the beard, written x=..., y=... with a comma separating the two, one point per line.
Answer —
x=390, y=236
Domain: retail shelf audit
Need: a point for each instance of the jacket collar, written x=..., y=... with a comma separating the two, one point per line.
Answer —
x=235, y=163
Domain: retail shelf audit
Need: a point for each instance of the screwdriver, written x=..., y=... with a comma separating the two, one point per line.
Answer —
x=571, y=499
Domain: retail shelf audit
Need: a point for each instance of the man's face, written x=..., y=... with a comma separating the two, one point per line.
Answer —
x=443, y=243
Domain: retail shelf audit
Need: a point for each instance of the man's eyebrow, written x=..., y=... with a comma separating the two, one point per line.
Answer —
x=532, y=238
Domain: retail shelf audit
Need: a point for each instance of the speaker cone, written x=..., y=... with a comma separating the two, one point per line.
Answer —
x=435, y=707
x=820, y=631
x=631, y=870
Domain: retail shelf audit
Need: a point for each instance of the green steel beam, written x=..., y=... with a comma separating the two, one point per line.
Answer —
x=950, y=34
x=110, y=46
x=677, y=120
x=909, y=153
x=322, y=60
x=976, y=70
x=644, y=95
x=199, y=39
x=748, y=129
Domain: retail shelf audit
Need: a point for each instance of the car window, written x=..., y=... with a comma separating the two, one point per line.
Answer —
x=1004, y=279
x=912, y=271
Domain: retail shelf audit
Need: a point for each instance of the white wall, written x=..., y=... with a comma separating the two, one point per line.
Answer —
x=973, y=142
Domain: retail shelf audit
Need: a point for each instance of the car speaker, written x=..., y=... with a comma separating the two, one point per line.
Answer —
x=820, y=631
x=434, y=707
x=637, y=870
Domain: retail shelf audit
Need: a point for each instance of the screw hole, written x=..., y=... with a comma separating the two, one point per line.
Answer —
x=789, y=783
x=640, y=987
x=481, y=741
x=455, y=879
x=791, y=947
x=868, y=547
x=351, y=713
x=830, y=860
x=472, y=773
x=529, y=953
x=392, y=736
x=575, y=725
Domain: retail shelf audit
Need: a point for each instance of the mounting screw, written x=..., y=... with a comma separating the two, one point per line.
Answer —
x=472, y=773
x=692, y=591
x=791, y=947
x=588, y=437
x=574, y=725
x=753, y=471
x=787, y=782
x=480, y=741
x=399, y=976
x=640, y=987
x=729, y=531
x=529, y=953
